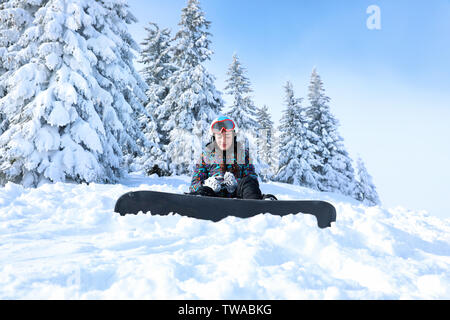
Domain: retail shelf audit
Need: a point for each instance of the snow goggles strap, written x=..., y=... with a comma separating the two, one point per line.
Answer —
x=226, y=125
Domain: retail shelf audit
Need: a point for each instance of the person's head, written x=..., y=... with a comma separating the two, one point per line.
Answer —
x=223, y=130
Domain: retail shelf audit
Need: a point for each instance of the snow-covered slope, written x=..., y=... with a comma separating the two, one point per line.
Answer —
x=64, y=241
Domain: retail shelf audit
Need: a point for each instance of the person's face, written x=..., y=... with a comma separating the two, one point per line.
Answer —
x=224, y=139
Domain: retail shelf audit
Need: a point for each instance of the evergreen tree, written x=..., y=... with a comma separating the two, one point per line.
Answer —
x=73, y=96
x=153, y=159
x=297, y=154
x=193, y=101
x=243, y=109
x=266, y=144
x=335, y=169
x=155, y=56
x=14, y=18
x=366, y=191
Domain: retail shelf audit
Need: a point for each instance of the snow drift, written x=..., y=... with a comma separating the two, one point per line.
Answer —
x=63, y=241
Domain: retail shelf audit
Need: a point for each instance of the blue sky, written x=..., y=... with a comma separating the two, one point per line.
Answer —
x=389, y=88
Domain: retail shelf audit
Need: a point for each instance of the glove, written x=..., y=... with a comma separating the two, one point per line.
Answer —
x=214, y=183
x=230, y=182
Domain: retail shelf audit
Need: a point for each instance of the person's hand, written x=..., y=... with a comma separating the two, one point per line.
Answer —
x=214, y=183
x=230, y=182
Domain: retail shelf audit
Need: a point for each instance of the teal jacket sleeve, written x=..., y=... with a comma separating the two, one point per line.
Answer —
x=249, y=168
x=200, y=175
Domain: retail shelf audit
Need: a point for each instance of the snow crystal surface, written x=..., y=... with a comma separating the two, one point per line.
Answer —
x=63, y=241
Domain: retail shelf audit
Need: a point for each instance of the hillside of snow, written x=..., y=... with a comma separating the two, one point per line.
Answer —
x=63, y=241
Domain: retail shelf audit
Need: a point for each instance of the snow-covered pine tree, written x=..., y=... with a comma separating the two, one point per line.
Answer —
x=14, y=19
x=297, y=154
x=156, y=59
x=155, y=56
x=153, y=159
x=266, y=144
x=365, y=189
x=243, y=109
x=193, y=100
x=74, y=97
x=336, y=170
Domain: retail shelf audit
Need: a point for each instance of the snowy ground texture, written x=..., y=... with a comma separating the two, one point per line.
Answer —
x=63, y=241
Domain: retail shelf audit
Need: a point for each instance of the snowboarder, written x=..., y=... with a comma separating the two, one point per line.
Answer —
x=225, y=170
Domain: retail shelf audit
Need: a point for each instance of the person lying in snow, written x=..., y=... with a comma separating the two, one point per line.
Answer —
x=225, y=170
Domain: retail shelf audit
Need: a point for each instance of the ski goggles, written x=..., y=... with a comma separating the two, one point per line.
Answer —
x=226, y=125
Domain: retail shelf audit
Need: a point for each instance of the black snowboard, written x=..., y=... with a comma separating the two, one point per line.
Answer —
x=215, y=208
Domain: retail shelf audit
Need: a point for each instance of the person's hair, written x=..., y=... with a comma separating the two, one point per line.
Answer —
x=212, y=145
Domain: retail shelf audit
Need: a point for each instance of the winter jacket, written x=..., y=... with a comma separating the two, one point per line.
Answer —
x=209, y=166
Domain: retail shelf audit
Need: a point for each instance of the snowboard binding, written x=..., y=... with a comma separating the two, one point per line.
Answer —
x=269, y=196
